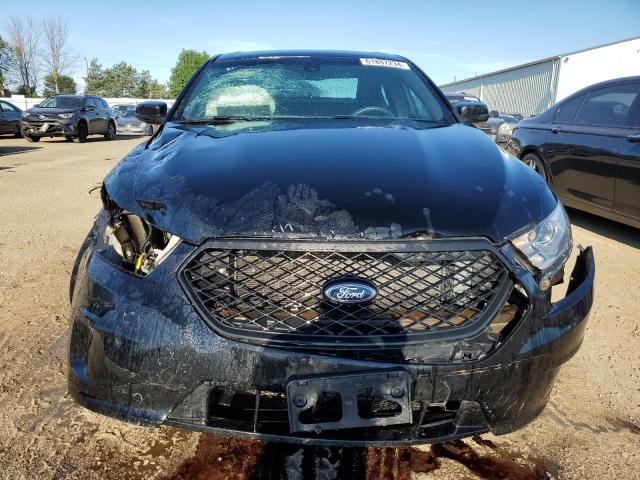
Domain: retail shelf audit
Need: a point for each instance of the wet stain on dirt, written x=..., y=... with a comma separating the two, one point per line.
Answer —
x=221, y=458
x=218, y=458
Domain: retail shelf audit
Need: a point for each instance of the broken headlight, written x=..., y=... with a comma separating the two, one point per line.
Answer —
x=139, y=246
x=547, y=245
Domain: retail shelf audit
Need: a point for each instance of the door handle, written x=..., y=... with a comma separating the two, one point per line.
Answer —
x=557, y=129
x=634, y=137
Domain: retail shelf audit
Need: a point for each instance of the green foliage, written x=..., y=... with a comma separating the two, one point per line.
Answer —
x=66, y=85
x=95, y=79
x=121, y=80
x=26, y=90
x=188, y=62
x=6, y=61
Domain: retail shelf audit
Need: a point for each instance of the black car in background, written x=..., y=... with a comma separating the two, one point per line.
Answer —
x=72, y=116
x=587, y=147
x=9, y=118
x=315, y=248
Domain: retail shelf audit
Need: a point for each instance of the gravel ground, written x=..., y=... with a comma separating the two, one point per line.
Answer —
x=591, y=428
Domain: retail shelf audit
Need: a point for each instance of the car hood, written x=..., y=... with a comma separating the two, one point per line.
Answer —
x=50, y=111
x=336, y=179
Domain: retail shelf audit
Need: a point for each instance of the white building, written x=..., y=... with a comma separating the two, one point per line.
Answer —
x=531, y=88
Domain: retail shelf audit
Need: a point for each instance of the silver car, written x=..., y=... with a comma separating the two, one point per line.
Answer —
x=502, y=126
x=128, y=124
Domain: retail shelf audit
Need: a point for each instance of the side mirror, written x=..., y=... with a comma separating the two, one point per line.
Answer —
x=473, y=114
x=495, y=114
x=89, y=108
x=37, y=105
x=153, y=112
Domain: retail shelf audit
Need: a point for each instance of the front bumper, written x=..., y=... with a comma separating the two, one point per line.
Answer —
x=128, y=129
x=140, y=352
x=54, y=128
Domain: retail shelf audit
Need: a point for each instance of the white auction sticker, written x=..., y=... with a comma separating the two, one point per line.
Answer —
x=380, y=62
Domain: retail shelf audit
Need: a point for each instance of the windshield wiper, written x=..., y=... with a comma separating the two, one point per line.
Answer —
x=220, y=120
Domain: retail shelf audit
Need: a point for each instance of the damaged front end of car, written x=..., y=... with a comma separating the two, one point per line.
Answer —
x=238, y=345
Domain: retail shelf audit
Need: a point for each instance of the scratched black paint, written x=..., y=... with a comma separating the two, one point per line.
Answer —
x=140, y=351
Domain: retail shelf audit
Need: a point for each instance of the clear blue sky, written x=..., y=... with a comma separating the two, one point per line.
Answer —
x=447, y=38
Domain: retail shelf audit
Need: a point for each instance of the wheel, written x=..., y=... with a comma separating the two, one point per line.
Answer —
x=111, y=131
x=32, y=139
x=18, y=134
x=83, y=132
x=68, y=139
x=533, y=161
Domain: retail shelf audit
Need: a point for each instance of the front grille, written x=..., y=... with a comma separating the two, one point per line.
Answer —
x=277, y=295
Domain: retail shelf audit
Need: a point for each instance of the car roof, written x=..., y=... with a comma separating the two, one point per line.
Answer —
x=606, y=83
x=309, y=53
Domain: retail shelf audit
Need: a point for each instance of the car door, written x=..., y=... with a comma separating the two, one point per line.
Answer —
x=627, y=196
x=90, y=114
x=4, y=128
x=103, y=114
x=583, y=153
x=11, y=117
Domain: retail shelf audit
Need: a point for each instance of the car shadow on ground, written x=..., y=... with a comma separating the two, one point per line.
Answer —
x=13, y=150
x=605, y=227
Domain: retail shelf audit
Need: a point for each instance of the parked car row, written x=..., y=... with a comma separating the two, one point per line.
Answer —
x=74, y=117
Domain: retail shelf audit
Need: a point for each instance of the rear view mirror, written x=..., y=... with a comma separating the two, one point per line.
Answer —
x=473, y=114
x=152, y=112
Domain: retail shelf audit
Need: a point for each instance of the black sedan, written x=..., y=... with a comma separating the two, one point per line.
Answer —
x=315, y=248
x=587, y=147
x=9, y=119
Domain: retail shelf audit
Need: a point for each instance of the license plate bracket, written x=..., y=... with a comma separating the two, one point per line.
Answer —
x=358, y=400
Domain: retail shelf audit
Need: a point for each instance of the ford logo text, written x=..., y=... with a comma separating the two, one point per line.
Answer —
x=349, y=291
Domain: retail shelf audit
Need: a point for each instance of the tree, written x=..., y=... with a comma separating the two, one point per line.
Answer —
x=148, y=87
x=188, y=62
x=6, y=62
x=58, y=58
x=62, y=84
x=22, y=38
x=95, y=79
x=120, y=80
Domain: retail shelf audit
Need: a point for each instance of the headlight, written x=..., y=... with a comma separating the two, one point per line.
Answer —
x=66, y=115
x=504, y=128
x=133, y=242
x=549, y=243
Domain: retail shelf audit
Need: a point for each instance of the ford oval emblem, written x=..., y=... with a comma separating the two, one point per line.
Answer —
x=349, y=291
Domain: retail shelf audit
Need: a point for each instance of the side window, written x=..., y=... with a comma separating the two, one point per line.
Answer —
x=7, y=108
x=88, y=102
x=102, y=102
x=608, y=106
x=566, y=112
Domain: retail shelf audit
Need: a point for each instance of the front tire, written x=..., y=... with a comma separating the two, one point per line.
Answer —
x=83, y=133
x=535, y=163
x=32, y=139
x=111, y=131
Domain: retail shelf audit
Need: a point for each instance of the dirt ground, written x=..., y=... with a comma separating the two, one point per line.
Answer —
x=591, y=428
